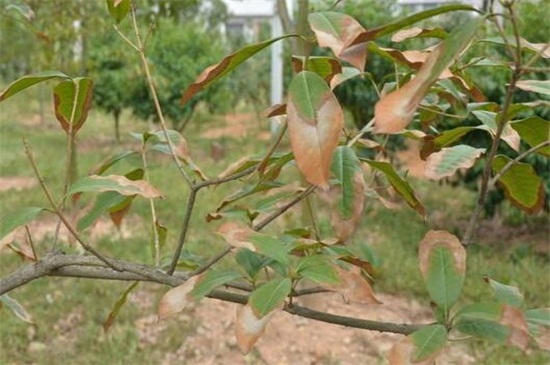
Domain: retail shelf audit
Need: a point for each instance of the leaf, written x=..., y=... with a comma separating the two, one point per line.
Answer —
x=29, y=80
x=347, y=74
x=344, y=167
x=326, y=67
x=385, y=29
x=269, y=296
x=403, y=352
x=336, y=31
x=248, y=190
x=509, y=135
x=176, y=299
x=318, y=269
x=394, y=111
x=522, y=186
x=118, y=9
x=18, y=219
x=72, y=101
x=110, y=161
x=483, y=329
x=345, y=227
x=211, y=280
x=433, y=144
x=353, y=287
x=505, y=294
x=118, y=304
x=428, y=341
x=248, y=328
x=533, y=48
x=489, y=311
x=400, y=185
x=534, y=131
x=250, y=261
x=447, y=161
x=514, y=319
x=118, y=183
x=539, y=316
x=537, y=86
x=275, y=110
x=315, y=120
x=416, y=32
x=442, y=262
x=16, y=308
x=103, y=203
x=228, y=64
x=236, y=235
x=271, y=247
x=539, y=325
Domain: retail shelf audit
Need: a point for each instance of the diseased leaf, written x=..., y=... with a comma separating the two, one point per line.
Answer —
x=248, y=328
x=269, y=296
x=211, y=280
x=428, y=341
x=118, y=305
x=442, y=262
x=416, y=32
x=118, y=9
x=447, y=161
x=537, y=86
x=534, y=131
x=509, y=135
x=18, y=219
x=395, y=111
x=16, y=308
x=72, y=101
x=506, y=294
x=522, y=186
x=318, y=269
x=433, y=144
x=29, y=80
x=336, y=31
x=400, y=185
x=228, y=64
x=402, y=353
x=118, y=183
x=326, y=67
x=353, y=287
x=315, y=120
x=236, y=235
x=514, y=319
x=176, y=299
x=347, y=73
x=539, y=326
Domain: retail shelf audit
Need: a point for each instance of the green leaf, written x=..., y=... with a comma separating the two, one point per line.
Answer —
x=317, y=268
x=447, y=161
x=269, y=296
x=103, y=203
x=489, y=311
x=118, y=183
x=483, y=329
x=428, y=341
x=228, y=64
x=211, y=280
x=434, y=144
x=522, y=186
x=118, y=304
x=537, y=86
x=271, y=247
x=247, y=190
x=118, y=9
x=347, y=74
x=539, y=316
x=16, y=308
x=326, y=67
x=110, y=161
x=400, y=185
x=534, y=131
x=506, y=294
x=345, y=165
x=250, y=261
x=29, y=80
x=72, y=101
x=17, y=219
x=524, y=45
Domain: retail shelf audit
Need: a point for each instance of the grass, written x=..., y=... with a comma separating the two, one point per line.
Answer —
x=69, y=312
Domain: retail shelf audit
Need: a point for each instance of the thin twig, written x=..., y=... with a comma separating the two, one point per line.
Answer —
x=273, y=147
x=184, y=228
x=211, y=262
x=236, y=176
x=156, y=238
x=31, y=242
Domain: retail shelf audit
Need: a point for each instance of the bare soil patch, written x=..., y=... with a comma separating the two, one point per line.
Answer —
x=16, y=183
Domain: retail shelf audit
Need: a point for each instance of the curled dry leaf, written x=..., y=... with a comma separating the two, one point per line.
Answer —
x=514, y=319
x=236, y=235
x=249, y=328
x=434, y=239
x=175, y=300
x=353, y=286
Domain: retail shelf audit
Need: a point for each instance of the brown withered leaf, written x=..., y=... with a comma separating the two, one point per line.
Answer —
x=175, y=300
x=249, y=328
x=402, y=353
x=275, y=110
x=353, y=286
x=315, y=120
x=236, y=235
x=514, y=319
x=434, y=239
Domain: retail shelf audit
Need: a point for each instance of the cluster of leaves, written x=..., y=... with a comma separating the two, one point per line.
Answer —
x=269, y=267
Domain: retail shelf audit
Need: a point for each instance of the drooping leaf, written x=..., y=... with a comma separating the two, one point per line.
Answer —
x=271, y=247
x=326, y=67
x=416, y=32
x=442, y=262
x=400, y=185
x=428, y=341
x=16, y=308
x=509, y=135
x=176, y=299
x=118, y=9
x=228, y=64
x=118, y=305
x=236, y=235
x=394, y=111
x=537, y=86
x=269, y=296
x=211, y=280
x=248, y=328
x=534, y=131
x=522, y=186
x=118, y=183
x=318, y=269
x=336, y=31
x=103, y=203
x=315, y=120
x=447, y=161
x=110, y=161
x=18, y=219
x=72, y=101
x=506, y=294
x=29, y=80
